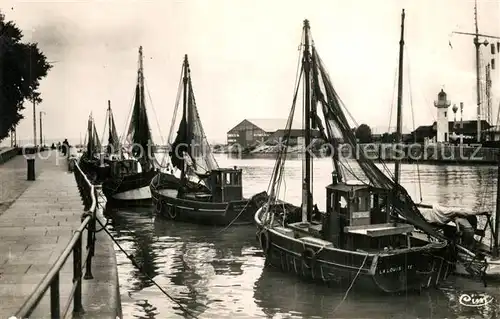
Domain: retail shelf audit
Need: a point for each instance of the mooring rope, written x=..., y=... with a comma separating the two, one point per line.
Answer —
x=131, y=257
x=352, y=284
x=235, y=218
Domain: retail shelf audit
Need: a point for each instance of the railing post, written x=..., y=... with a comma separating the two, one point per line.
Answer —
x=90, y=247
x=55, y=311
x=77, y=276
x=91, y=236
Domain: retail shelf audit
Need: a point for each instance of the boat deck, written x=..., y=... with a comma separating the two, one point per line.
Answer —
x=198, y=196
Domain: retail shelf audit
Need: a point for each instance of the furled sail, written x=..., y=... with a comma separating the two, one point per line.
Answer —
x=113, y=139
x=93, y=143
x=335, y=128
x=191, y=140
x=138, y=136
x=338, y=128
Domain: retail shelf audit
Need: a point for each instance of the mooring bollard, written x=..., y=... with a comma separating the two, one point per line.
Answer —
x=31, y=168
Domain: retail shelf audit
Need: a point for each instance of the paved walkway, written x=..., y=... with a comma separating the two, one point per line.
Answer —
x=13, y=181
x=35, y=228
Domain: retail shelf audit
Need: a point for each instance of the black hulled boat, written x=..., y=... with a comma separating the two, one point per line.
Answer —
x=197, y=190
x=129, y=176
x=355, y=241
x=90, y=160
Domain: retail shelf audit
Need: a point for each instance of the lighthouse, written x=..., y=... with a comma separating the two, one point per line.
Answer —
x=442, y=105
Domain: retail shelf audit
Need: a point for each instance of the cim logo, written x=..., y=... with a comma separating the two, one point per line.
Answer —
x=475, y=299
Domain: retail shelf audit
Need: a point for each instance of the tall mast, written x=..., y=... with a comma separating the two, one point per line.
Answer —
x=488, y=97
x=110, y=130
x=399, y=122
x=184, y=105
x=306, y=185
x=478, y=80
x=110, y=119
x=141, y=75
x=477, y=45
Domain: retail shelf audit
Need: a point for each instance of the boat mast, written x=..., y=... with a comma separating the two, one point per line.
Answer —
x=477, y=45
x=109, y=118
x=141, y=79
x=110, y=129
x=399, y=121
x=478, y=80
x=184, y=109
x=307, y=180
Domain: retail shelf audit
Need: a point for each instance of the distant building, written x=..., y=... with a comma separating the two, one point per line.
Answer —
x=469, y=129
x=379, y=131
x=249, y=132
x=294, y=134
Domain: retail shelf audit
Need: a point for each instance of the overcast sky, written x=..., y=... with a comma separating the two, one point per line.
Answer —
x=243, y=57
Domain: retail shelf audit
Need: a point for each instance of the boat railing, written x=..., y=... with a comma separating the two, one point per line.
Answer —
x=52, y=278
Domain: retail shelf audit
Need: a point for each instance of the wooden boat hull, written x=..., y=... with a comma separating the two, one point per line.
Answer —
x=239, y=212
x=389, y=272
x=113, y=187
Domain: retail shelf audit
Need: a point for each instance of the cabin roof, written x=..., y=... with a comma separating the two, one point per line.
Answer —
x=342, y=187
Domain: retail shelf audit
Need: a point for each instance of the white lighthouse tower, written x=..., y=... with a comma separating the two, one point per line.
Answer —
x=442, y=105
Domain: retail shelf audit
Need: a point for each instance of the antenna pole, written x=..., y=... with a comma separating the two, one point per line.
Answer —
x=306, y=185
x=399, y=122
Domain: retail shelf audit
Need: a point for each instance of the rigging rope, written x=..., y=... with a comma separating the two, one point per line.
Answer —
x=174, y=116
x=131, y=258
x=127, y=121
x=394, y=88
x=104, y=130
x=413, y=118
x=154, y=112
x=283, y=149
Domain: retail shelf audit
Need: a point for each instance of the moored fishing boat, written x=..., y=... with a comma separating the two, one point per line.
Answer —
x=128, y=178
x=90, y=159
x=197, y=190
x=355, y=241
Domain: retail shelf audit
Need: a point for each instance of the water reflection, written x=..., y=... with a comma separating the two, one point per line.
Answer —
x=305, y=299
x=222, y=275
x=139, y=235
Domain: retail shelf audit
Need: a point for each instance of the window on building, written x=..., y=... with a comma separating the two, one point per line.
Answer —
x=445, y=114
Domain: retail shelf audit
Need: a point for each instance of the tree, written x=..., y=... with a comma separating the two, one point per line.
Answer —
x=364, y=133
x=22, y=66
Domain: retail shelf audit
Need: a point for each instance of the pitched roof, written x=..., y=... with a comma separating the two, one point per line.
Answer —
x=269, y=125
x=272, y=125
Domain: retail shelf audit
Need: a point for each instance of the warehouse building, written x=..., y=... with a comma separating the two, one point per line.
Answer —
x=251, y=132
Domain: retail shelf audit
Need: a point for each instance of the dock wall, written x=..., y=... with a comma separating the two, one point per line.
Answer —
x=7, y=154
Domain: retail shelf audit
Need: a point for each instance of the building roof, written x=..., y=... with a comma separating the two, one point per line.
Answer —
x=270, y=125
x=380, y=130
x=469, y=126
x=294, y=133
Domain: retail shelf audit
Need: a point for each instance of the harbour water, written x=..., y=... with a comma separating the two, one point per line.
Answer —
x=220, y=273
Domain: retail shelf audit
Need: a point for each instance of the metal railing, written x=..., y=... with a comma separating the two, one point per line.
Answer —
x=51, y=279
